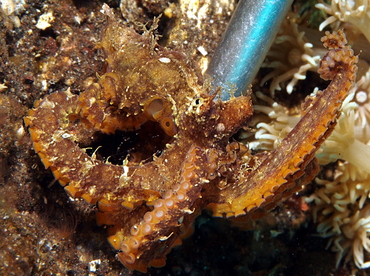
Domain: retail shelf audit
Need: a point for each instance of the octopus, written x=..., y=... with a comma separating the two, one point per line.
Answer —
x=151, y=198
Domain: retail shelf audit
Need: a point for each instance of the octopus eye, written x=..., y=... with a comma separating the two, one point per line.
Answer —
x=196, y=105
x=198, y=101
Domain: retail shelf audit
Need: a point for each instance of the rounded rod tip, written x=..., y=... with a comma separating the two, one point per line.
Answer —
x=245, y=43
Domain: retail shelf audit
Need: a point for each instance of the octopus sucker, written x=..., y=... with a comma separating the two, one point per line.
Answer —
x=149, y=203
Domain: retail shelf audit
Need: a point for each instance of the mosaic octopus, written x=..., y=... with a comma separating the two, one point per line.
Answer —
x=151, y=199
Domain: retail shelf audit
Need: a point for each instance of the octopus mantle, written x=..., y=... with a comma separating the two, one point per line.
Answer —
x=150, y=200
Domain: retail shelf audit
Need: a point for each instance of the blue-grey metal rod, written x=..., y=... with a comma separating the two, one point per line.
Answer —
x=245, y=43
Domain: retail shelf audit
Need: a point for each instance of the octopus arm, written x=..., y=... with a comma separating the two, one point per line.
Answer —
x=150, y=239
x=276, y=174
x=56, y=130
x=62, y=124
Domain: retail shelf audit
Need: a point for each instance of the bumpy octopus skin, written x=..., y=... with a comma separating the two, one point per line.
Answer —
x=149, y=204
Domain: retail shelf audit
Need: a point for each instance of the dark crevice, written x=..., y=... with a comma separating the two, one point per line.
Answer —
x=137, y=146
x=48, y=32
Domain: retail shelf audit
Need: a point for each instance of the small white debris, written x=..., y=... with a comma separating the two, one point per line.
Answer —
x=16, y=21
x=78, y=19
x=44, y=84
x=220, y=127
x=66, y=135
x=202, y=50
x=164, y=60
x=125, y=171
x=164, y=238
x=20, y=132
x=45, y=20
x=105, y=9
x=47, y=104
x=3, y=86
x=124, y=178
x=10, y=7
x=94, y=265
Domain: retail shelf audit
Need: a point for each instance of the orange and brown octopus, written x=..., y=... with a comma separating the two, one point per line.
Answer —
x=150, y=201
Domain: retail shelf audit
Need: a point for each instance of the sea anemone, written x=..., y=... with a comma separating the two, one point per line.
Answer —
x=355, y=12
x=342, y=144
x=346, y=212
x=343, y=202
x=362, y=99
x=290, y=57
x=272, y=123
x=352, y=133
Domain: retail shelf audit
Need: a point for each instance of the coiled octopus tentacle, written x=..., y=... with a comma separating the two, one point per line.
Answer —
x=151, y=239
x=62, y=124
x=56, y=126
